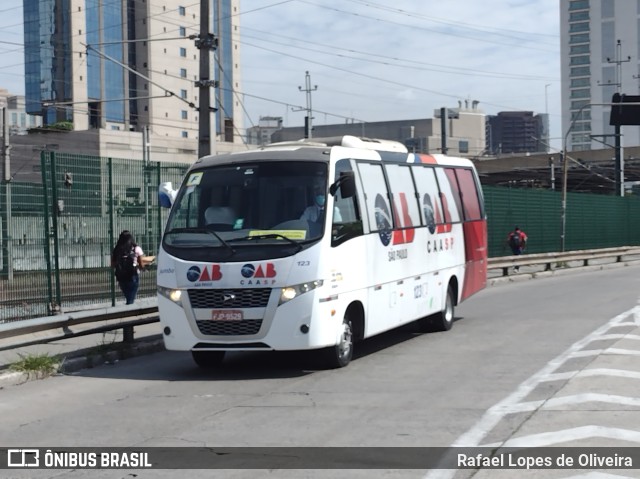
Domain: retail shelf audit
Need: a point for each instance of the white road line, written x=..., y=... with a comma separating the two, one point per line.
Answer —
x=625, y=352
x=634, y=337
x=598, y=352
x=621, y=373
x=565, y=435
x=598, y=475
x=496, y=413
x=579, y=399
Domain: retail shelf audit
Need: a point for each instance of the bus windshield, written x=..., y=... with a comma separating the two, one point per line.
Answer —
x=265, y=204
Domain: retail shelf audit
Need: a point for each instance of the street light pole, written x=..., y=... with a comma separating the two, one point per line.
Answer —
x=546, y=102
x=565, y=169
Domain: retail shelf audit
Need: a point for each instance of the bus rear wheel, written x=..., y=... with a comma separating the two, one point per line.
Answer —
x=208, y=359
x=442, y=321
x=340, y=355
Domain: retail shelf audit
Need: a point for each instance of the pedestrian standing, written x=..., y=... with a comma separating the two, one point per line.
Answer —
x=126, y=263
x=517, y=241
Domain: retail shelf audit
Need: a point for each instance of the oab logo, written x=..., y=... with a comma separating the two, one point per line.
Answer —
x=262, y=274
x=206, y=273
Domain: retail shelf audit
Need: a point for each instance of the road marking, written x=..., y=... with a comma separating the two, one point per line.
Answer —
x=598, y=475
x=635, y=337
x=583, y=432
x=513, y=402
x=621, y=373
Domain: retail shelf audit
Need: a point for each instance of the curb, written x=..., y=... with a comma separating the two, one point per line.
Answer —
x=556, y=272
x=87, y=359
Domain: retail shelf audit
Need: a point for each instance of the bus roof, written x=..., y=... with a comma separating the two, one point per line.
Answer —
x=348, y=141
x=314, y=149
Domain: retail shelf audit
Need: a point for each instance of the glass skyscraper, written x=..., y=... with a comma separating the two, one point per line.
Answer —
x=223, y=14
x=47, y=59
x=129, y=65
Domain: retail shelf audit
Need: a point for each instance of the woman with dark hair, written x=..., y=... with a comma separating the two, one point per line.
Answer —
x=126, y=262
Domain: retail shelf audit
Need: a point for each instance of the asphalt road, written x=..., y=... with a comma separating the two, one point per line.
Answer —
x=402, y=389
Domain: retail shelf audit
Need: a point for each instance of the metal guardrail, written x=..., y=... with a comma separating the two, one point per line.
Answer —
x=30, y=332
x=568, y=259
x=82, y=323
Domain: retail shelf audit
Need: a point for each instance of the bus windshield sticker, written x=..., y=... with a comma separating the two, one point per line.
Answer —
x=194, y=179
x=291, y=234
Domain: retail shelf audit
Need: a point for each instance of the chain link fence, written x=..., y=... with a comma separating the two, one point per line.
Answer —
x=57, y=235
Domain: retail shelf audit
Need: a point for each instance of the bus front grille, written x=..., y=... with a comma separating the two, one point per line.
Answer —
x=229, y=298
x=229, y=328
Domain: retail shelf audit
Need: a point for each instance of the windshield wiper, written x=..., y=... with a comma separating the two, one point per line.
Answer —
x=269, y=236
x=203, y=230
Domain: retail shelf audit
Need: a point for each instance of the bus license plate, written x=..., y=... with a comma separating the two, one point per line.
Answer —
x=226, y=315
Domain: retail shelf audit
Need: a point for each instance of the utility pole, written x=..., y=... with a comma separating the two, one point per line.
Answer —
x=206, y=43
x=308, y=127
x=619, y=160
x=7, y=247
x=147, y=181
x=443, y=130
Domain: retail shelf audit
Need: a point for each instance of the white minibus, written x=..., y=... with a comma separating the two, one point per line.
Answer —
x=317, y=244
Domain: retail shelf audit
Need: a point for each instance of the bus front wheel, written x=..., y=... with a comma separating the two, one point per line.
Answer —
x=340, y=355
x=208, y=359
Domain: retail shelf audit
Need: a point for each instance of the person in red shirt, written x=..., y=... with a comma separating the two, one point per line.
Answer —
x=517, y=241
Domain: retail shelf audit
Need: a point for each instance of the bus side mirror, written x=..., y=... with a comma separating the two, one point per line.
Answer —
x=346, y=183
x=166, y=194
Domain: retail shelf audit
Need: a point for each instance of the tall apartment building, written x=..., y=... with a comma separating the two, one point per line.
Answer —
x=125, y=65
x=600, y=56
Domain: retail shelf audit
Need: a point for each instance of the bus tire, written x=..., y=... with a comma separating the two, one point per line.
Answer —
x=208, y=359
x=442, y=321
x=340, y=355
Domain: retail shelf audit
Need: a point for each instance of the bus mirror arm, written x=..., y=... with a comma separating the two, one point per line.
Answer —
x=346, y=183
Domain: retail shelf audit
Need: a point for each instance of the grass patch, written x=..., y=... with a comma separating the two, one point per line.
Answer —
x=37, y=365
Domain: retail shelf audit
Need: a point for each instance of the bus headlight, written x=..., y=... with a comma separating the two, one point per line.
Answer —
x=290, y=292
x=174, y=295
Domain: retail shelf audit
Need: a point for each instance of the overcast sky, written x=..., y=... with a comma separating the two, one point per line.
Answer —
x=378, y=60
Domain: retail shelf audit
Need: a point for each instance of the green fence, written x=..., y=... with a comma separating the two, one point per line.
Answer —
x=592, y=221
x=57, y=235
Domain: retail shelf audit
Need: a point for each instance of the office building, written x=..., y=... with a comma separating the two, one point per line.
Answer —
x=464, y=131
x=599, y=57
x=517, y=132
x=120, y=65
x=18, y=120
x=261, y=134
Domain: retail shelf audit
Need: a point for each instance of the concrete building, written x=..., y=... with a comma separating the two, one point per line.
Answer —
x=600, y=56
x=126, y=66
x=261, y=134
x=17, y=117
x=465, y=132
x=517, y=132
